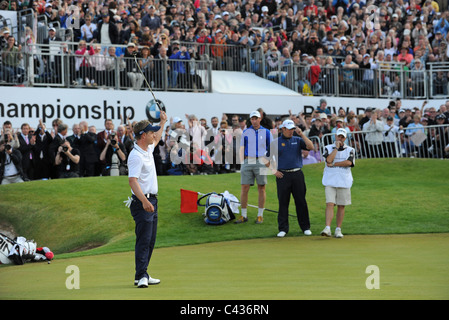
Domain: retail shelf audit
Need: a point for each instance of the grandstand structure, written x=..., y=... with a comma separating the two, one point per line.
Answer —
x=42, y=63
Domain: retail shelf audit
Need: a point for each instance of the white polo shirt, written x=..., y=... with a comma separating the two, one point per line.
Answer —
x=141, y=166
x=338, y=177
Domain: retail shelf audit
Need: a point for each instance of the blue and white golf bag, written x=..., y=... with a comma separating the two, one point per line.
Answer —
x=217, y=210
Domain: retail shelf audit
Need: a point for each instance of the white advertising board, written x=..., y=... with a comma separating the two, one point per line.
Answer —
x=28, y=105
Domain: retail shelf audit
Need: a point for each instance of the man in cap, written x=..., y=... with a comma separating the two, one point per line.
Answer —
x=337, y=180
x=286, y=163
x=254, y=148
x=143, y=206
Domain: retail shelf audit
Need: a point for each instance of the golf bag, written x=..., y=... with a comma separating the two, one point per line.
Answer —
x=6, y=245
x=217, y=209
x=21, y=250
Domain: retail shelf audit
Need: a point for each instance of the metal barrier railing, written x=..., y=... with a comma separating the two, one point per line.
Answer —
x=394, y=142
x=388, y=80
x=58, y=66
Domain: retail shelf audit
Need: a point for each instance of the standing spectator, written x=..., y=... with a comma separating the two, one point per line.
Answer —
x=27, y=142
x=42, y=161
x=88, y=29
x=107, y=31
x=180, y=76
x=12, y=58
x=135, y=76
x=88, y=151
x=389, y=143
x=254, y=147
x=113, y=148
x=337, y=180
x=66, y=160
x=10, y=164
x=84, y=70
x=374, y=135
x=218, y=51
x=103, y=136
x=151, y=20
x=51, y=56
x=57, y=141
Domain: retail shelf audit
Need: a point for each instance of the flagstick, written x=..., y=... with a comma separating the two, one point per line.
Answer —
x=249, y=205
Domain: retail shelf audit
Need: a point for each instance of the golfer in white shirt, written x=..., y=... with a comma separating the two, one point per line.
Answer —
x=143, y=182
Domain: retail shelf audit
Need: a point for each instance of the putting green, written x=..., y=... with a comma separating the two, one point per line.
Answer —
x=412, y=266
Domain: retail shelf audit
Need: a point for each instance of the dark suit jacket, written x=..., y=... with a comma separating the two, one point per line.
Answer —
x=42, y=145
x=87, y=147
x=26, y=149
x=46, y=41
x=129, y=144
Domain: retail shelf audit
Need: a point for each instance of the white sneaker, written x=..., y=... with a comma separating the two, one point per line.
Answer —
x=308, y=233
x=338, y=233
x=281, y=234
x=152, y=281
x=326, y=232
x=143, y=283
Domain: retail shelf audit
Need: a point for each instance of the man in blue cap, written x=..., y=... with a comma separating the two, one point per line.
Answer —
x=286, y=164
x=143, y=182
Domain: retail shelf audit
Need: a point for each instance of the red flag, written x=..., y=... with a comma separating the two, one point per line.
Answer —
x=189, y=201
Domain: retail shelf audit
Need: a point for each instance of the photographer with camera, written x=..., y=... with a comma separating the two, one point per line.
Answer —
x=67, y=160
x=10, y=163
x=114, y=157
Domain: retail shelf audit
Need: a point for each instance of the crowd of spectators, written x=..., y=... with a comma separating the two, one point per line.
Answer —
x=197, y=146
x=347, y=33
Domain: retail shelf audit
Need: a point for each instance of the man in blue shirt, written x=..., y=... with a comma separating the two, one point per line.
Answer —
x=254, y=148
x=286, y=164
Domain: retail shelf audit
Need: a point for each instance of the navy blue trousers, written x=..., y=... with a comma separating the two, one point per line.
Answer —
x=292, y=184
x=146, y=229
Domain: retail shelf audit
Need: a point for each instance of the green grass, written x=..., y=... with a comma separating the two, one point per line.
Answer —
x=390, y=196
x=399, y=221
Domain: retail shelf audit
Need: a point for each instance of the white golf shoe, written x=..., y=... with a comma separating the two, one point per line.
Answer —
x=308, y=233
x=143, y=283
x=338, y=233
x=281, y=234
x=152, y=281
x=326, y=232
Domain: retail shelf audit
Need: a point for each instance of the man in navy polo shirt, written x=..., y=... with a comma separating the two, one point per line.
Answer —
x=286, y=164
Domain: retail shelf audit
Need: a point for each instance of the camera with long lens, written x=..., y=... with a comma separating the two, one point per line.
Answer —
x=7, y=147
x=64, y=148
x=112, y=137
